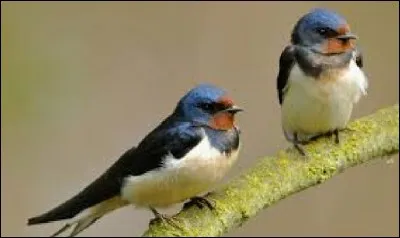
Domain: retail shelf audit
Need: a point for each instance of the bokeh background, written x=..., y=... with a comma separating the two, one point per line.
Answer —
x=82, y=82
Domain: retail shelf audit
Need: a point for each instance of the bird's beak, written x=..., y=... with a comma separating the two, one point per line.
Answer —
x=347, y=36
x=233, y=109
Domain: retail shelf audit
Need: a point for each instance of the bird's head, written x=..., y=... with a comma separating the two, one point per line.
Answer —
x=208, y=105
x=324, y=31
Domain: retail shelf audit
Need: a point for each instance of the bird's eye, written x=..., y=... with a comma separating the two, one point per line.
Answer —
x=212, y=107
x=326, y=32
x=207, y=107
x=321, y=31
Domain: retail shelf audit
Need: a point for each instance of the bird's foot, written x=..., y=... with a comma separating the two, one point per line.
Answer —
x=162, y=218
x=348, y=129
x=336, y=133
x=200, y=202
x=328, y=134
x=297, y=144
x=299, y=148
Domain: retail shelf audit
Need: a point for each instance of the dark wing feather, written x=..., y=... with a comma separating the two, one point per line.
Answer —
x=286, y=62
x=359, y=58
x=169, y=137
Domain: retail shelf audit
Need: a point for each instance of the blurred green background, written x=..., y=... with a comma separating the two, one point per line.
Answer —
x=82, y=82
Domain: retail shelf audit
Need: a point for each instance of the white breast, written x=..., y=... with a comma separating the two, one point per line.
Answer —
x=179, y=179
x=315, y=106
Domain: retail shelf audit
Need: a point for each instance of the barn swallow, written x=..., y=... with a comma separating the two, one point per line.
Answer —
x=320, y=77
x=188, y=153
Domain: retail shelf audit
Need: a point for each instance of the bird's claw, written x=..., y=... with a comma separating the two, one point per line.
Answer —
x=336, y=133
x=297, y=144
x=330, y=133
x=300, y=149
x=162, y=218
x=200, y=202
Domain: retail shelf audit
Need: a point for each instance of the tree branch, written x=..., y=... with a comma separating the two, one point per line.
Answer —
x=274, y=178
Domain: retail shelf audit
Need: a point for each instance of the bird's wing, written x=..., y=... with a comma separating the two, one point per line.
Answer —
x=286, y=62
x=359, y=58
x=147, y=156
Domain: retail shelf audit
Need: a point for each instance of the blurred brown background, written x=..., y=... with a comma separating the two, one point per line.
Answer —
x=82, y=82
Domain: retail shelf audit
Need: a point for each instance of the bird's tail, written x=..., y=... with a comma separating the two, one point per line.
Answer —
x=80, y=226
x=90, y=216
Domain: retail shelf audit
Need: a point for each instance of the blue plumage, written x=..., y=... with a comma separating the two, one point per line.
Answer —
x=307, y=31
x=321, y=17
x=188, y=130
x=188, y=107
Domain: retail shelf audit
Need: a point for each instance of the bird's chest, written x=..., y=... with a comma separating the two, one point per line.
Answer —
x=207, y=166
x=207, y=162
x=315, y=105
x=332, y=85
x=179, y=179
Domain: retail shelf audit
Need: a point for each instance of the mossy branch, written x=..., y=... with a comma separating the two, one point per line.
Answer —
x=274, y=178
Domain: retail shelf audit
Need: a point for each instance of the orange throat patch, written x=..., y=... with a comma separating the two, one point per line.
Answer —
x=335, y=46
x=222, y=121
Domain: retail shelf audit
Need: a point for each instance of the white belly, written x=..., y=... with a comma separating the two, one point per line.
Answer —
x=179, y=179
x=312, y=106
